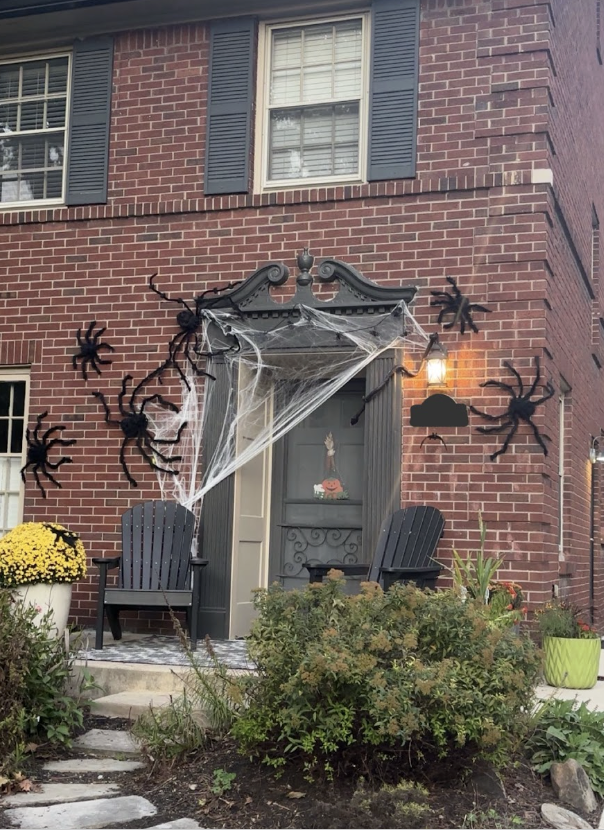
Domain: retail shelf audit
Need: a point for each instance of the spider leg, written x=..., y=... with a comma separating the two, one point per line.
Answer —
x=50, y=431
x=62, y=442
x=170, y=440
x=108, y=418
x=24, y=469
x=79, y=337
x=50, y=476
x=477, y=307
x=493, y=430
x=498, y=384
x=98, y=334
x=486, y=414
x=506, y=443
x=509, y=366
x=550, y=392
x=177, y=300
x=85, y=361
x=74, y=361
x=122, y=394
x=539, y=437
x=38, y=425
x=93, y=363
x=104, y=346
x=55, y=466
x=122, y=457
x=161, y=401
x=169, y=459
x=89, y=330
x=453, y=282
x=37, y=478
x=149, y=459
x=470, y=321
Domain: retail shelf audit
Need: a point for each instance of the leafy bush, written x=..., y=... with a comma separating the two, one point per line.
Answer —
x=560, y=618
x=562, y=730
x=34, y=678
x=346, y=682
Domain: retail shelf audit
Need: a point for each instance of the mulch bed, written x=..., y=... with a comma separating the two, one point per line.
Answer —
x=256, y=799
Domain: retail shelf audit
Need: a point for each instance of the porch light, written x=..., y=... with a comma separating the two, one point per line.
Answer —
x=436, y=365
x=596, y=453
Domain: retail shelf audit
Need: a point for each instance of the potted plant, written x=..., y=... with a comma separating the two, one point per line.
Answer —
x=571, y=647
x=39, y=561
x=506, y=602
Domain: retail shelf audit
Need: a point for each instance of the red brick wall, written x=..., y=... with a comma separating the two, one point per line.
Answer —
x=492, y=110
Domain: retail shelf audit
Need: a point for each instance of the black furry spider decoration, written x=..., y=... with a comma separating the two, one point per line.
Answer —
x=89, y=350
x=38, y=449
x=520, y=407
x=456, y=305
x=134, y=424
x=187, y=341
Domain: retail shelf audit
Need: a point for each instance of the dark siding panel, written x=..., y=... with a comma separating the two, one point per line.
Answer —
x=394, y=82
x=230, y=94
x=88, y=146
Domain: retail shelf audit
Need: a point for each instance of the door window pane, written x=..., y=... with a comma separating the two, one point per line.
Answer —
x=12, y=425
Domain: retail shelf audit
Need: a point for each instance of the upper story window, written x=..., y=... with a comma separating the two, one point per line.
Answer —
x=315, y=102
x=33, y=122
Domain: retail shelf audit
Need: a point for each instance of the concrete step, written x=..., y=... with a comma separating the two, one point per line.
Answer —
x=111, y=678
x=129, y=704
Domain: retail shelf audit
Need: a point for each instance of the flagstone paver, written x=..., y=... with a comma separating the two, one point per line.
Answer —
x=82, y=815
x=107, y=742
x=101, y=765
x=60, y=793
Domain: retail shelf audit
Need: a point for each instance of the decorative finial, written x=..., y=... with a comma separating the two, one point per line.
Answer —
x=305, y=263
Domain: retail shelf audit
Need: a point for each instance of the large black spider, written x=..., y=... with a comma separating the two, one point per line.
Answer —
x=89, y=350
x=520, y=408
x=38, y=449
x=134, y=424
x=190, y=320
x=456, y=305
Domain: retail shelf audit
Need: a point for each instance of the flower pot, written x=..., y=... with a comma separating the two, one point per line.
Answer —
x=571, y=663
x=55, y=597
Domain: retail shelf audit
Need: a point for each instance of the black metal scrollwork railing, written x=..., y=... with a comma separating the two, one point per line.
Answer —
x=319, y=545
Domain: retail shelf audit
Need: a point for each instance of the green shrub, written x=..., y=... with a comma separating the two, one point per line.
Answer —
x=34, y=678
x=346, y=682
x=562, y=730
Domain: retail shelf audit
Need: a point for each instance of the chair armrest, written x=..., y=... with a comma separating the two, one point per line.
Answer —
x=198, y=563
x=317, y=572
x=432, y=569
x=110, y=562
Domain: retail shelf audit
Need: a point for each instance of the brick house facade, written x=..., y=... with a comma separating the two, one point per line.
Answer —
x=505, y=195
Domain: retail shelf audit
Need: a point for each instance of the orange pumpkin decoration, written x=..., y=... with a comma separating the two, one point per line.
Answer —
x=332, y=487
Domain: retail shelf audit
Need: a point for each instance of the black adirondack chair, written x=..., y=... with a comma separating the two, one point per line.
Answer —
x=156, y=567
x=407, y=541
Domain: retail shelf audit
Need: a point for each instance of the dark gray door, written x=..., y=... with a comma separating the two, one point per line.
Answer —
x=317, y=513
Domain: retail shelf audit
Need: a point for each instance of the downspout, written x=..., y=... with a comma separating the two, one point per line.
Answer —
x=592, y=529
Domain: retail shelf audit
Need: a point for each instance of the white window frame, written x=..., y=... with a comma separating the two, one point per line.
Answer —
x=10, y=376
x=24, y=58
x=261, y=180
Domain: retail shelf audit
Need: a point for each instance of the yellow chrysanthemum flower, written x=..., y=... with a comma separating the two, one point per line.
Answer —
x=41, y=552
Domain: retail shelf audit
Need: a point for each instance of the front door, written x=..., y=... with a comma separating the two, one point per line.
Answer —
x=317, y=499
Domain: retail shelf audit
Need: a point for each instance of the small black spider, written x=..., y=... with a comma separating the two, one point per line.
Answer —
x=434, y=436
x=457, y=306
x=89, y=350
x=38, y=449
x=134, y=424
x=187, y=341
x=520, y=408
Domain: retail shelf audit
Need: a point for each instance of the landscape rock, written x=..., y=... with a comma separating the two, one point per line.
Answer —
x=486, y=781
x=101, y=765
x=562, y=819
x=571, y=785
x=184, y=823
x=107, y=742
x=53, y=793
x=82, y=815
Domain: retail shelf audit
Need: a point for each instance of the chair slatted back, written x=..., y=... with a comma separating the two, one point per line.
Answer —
x=408, y=539
x=156, y=546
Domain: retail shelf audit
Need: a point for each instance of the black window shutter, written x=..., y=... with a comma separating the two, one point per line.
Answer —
x=393, y=91
x=88, y=142
x=229, y=115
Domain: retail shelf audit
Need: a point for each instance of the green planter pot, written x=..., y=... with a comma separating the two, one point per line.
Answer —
x=571, y=663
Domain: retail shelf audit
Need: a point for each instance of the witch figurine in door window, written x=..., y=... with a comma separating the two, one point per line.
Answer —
x=331, y=488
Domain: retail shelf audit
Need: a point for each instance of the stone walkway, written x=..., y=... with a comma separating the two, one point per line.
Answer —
x=72, y=805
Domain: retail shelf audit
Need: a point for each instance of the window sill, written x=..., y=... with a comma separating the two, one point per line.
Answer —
x=40, y=204
x=308, y=184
